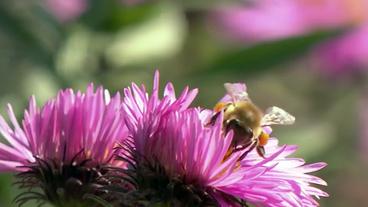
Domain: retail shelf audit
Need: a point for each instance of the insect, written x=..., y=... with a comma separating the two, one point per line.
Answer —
x=247, y=121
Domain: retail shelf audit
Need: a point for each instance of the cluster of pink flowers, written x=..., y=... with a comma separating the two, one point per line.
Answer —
x=267, y=20
x=82, y=130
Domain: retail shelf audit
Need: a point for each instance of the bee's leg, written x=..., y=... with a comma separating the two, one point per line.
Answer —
x=261, y=151
x=242, y=147
x=213, y=119
x=252, y=146
x=234, y=149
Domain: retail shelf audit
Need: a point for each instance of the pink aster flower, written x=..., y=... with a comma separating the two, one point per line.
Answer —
x=343, y=55
x=66, y=10
x=267, y=20
x=179, y=158
x=144, y=113
x=282, y=181
x=62, y=145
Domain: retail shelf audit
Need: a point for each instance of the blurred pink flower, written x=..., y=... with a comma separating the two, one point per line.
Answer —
x=272, y=19
x=343, y=55
x=66, y=10
x=189, y=149
x=266, y=20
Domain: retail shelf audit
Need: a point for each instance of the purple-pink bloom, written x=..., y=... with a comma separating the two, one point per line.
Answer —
x=197, y=153
x=268, y=19
x=66, y=10
x=343, y=55
x=63, y=145
x=71, y=123
x=182, y=140
x=144, y=113
x=280, y=181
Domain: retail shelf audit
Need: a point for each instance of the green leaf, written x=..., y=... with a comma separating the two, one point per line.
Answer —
x=18, y=29
x=112, y=15
x=263, y=56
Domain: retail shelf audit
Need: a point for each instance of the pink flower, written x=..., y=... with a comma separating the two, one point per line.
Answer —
x=187, y=154
x=343, y=55
x=269, y=19
x=278, y=180
x=66, y=141
x=66, y=10
x=144, y=113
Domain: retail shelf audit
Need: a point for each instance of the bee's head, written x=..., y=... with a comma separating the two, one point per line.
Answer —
x=242, y=135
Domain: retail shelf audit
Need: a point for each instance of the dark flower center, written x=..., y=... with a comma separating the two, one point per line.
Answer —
x=146, y=183
x=61, y=184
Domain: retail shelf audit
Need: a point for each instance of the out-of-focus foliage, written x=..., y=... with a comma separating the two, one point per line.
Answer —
x=115, y=42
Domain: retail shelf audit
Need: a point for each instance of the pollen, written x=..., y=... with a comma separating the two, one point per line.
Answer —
x=263, y=138
x=219, y=106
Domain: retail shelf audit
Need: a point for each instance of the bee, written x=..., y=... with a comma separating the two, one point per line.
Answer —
x=247, y=120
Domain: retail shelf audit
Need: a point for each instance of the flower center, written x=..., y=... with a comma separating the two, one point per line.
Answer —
x=146, y=182
x=61, y=184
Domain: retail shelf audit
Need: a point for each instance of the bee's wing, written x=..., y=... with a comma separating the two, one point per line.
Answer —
x=237, y=91
x=276, y=115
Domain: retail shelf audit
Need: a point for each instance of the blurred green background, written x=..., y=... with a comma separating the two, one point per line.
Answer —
x=114, y=43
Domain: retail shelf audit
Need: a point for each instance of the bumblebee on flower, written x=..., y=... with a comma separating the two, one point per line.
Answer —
x=249, y=124
x=186, y=160
x=80, y=149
